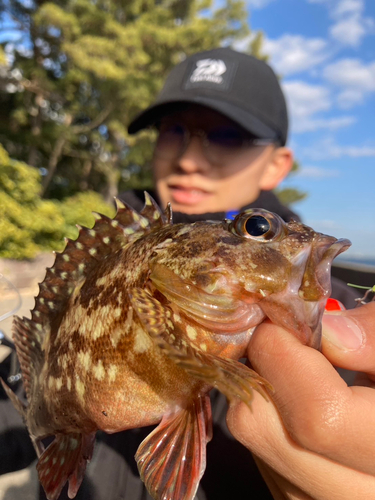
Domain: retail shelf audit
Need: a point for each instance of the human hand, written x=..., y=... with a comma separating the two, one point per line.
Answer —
x=316, y=438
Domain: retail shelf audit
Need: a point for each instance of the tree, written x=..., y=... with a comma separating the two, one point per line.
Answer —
x=291, y=195
x=29, y=224
x=26, y=222
x=81, y=70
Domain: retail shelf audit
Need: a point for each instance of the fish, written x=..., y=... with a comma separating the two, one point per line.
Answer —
x=139, y=318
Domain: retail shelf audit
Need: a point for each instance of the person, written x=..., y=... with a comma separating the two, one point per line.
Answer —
x=316, y=439
x=222, y=129
x=222, y=125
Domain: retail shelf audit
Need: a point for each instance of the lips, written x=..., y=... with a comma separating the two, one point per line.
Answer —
x=188, y=195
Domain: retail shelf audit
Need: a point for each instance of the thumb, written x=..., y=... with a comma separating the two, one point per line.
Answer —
x=349, y=338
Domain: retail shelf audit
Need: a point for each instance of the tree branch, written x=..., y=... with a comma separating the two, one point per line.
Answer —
x=81, y=129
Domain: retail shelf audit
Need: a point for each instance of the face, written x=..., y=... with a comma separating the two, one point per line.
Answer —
x=195, y=182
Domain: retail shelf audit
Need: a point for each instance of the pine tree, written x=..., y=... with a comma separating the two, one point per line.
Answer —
x=81, y=70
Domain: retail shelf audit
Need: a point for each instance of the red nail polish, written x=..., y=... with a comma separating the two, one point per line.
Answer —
x=334, y=305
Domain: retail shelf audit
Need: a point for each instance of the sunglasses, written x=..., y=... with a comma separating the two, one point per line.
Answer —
x=220, y=145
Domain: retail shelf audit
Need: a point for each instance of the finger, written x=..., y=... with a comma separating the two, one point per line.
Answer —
x=280, y=488
x=318, y=410
x=291, y=471
x=349, y=338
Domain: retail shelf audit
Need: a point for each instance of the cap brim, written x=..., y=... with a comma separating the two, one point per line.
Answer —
x=248, y=121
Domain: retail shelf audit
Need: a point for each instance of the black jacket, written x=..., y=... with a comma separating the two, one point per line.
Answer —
x=266, y=200
x=112, y=475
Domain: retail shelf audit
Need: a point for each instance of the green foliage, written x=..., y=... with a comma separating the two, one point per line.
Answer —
x=2, y=57
x=67, y=100
x=290, y=195
x=78, y=210
x=18, y=180
x=29, y=224
x=91, y=68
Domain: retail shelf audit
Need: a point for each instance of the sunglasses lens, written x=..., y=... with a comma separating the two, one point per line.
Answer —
x=170, y=141
x=220, y=144
x=225, y=137
x=223, y=143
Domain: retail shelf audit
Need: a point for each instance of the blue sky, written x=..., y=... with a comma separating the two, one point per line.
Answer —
x=324, y=50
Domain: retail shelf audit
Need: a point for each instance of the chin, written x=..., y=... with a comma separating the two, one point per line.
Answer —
x=176, y=207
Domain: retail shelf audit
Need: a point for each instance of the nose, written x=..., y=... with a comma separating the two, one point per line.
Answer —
x=193, y=159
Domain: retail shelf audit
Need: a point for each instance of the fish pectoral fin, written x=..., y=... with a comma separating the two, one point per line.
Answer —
x=172, y=459
x=156, y=319
x=65, y=459
x=229, y=376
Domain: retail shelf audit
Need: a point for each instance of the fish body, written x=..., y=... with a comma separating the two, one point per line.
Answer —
x=139, y=318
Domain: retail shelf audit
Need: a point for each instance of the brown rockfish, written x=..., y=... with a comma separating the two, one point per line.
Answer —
x=139, y=318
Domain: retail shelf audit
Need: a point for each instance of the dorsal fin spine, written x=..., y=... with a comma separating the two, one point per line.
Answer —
x=83, y=254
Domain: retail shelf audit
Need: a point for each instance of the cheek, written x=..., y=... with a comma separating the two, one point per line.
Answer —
x=161, y=169
x=239, y=189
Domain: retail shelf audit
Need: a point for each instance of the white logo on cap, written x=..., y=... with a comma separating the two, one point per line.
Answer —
x=209, y=70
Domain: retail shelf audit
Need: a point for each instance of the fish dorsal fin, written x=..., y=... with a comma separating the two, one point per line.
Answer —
x=152, y=212
x=82, y=255
x=138, y=223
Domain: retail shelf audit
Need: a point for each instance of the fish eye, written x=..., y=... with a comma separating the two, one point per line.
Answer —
x=258, y=224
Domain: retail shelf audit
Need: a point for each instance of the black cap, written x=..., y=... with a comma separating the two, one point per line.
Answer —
x=237, y=85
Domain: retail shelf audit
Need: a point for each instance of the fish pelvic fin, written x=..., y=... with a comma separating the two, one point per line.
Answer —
x=172, y=459
x=65, y=459
x=229, y=376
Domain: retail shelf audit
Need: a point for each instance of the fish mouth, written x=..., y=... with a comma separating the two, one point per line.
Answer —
x=309, y=288
x=316, y=283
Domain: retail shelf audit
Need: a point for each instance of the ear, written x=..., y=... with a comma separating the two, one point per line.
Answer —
x=278, y=168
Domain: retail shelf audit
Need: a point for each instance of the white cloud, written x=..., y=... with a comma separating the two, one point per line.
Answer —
x=328, y=149
x=350, y=24
x=317, y=172
x=305, y=101
x=352, y=151
x=294, y=53
x=352, y=73
x=258, y=4
x=345, y=7
x=311, y=124
x=349, y=98
x=349, y=31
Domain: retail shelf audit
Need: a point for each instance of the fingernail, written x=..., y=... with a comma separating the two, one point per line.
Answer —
x=342, y=331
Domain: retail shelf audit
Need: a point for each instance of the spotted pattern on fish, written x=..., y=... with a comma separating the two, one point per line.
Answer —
x=139, y=318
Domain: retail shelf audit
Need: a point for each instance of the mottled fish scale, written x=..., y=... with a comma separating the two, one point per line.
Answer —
x=80, y=256
x=138, y=319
